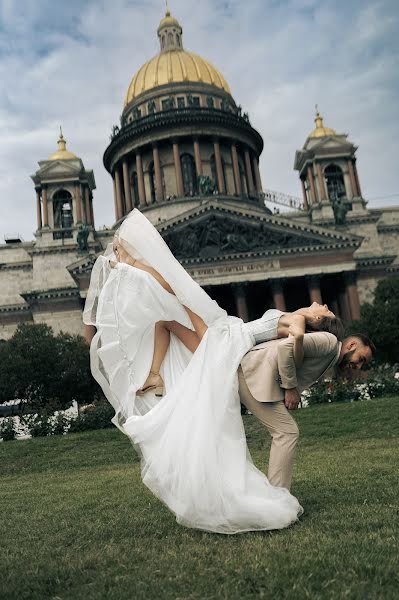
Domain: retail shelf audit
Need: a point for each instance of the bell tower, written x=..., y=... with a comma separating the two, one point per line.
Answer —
x=328, y=174
x=64, y=198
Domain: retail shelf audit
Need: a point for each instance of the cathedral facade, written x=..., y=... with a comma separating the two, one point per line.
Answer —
x=188, y=157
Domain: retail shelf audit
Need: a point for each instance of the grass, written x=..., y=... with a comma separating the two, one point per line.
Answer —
x=77, y=523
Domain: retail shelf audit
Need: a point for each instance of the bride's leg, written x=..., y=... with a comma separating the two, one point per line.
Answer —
x=161, y=343
x=198, y=323
x=187, y=336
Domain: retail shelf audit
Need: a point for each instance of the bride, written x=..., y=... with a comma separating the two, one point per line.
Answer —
x=192, y=444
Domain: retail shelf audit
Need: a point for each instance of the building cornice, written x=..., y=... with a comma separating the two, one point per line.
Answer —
x=14, y=308
x=33, y=296
x=374, y=261
x=16, y=266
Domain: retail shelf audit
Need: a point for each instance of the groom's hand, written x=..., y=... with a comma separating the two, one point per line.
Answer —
x=291, y=399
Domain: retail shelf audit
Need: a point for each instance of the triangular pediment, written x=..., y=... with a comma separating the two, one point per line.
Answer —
x=213, y=231
x=58, y=168
x=332, y=142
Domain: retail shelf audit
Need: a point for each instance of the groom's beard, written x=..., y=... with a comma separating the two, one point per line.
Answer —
x=345, y=362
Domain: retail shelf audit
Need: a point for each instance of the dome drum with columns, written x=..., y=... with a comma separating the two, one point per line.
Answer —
x=188, y=157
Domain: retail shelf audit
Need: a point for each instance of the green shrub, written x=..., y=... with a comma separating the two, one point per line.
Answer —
x=98, y=418
x=41, y=426
x=7, y=429
x=380, y=320
x=59, y=424
x=381, y=381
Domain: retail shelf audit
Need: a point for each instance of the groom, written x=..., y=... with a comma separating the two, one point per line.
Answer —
x=270, y=385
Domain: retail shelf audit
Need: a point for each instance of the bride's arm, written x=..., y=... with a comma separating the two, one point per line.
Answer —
x=291, y=325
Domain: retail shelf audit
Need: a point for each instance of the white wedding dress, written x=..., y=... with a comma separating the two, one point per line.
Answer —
x=192, y=443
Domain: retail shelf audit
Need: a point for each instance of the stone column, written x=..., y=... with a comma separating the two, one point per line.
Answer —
x=314, y=289
x=352, y=179
x=118, y=185
x=219, y=167
x=257, y=175
x=45, y=206
x=140, y=180
x=241, y=301
x=322, y=186
x=353, y=296
x=357, y=179
x=313, y=195
x=126, y=186
x=87, y=206
x=78, y=199
x=305, y=198
x=197, y=158
x=179, y=174
x=236, y=169
x=158, y=174
x=343, y=304
x=115, y=199
x=278, y=294
x=38, y=210
x=248, y=171
x=91, y=210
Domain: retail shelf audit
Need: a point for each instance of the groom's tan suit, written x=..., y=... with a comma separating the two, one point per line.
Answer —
x=265, y=373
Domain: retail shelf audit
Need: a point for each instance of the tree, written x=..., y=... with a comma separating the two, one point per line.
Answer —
x=45, y=371
x=380, y=320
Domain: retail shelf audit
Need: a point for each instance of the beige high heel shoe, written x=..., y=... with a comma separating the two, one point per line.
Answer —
x=158, y=386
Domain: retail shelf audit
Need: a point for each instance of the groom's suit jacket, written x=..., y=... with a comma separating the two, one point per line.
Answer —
x=269, y=368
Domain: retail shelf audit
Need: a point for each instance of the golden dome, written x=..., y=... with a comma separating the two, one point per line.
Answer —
x=177, y=66
x=62, y=153
x=173, y=64
x=320, y=130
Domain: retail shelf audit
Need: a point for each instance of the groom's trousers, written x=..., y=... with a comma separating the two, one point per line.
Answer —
x=282, y=428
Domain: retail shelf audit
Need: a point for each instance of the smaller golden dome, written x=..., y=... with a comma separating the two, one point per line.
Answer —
x=62, y=153
x=320, y=130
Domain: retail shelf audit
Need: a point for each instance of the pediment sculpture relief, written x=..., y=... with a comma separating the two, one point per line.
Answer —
x=217, y=236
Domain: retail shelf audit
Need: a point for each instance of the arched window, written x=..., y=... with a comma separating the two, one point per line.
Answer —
x=163, y=42
x=189, y=172
x=135, y=189
x=335, y=182
x=62, y=211
x=215, y=174
x=178, y=40
x=170, y=39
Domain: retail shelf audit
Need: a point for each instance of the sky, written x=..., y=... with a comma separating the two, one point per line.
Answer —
x=70, y=64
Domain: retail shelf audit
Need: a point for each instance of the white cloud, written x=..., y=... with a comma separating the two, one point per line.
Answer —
x=71, y=63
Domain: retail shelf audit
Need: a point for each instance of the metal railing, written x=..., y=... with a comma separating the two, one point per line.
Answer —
x=281, y=199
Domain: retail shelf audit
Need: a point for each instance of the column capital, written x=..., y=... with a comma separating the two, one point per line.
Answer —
x=239, y=285
x=313, y=279
x=350, y=277
x=278, y=284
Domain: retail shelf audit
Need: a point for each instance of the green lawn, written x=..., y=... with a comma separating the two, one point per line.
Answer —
x=78, y=524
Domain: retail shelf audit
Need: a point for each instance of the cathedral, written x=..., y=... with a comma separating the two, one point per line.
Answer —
x=188, y=157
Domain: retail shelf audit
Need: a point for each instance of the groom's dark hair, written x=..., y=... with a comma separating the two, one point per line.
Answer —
x=366, y=341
